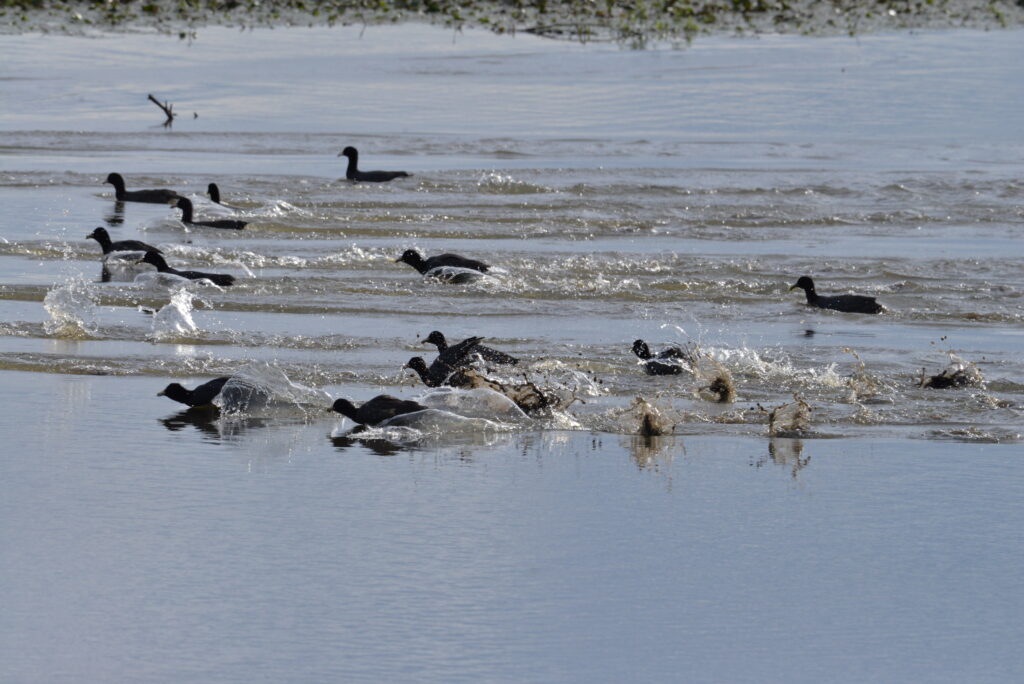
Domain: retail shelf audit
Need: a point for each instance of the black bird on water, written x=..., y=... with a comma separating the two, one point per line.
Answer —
x=354, y=174
x=416, y=260
x=447, y=363
x=203, y=395
x=376, y=410
x=214, y=192
x=847, y=303
x=666, y=362
x=154, y=259
x=161, y=196
x=185, y=205
x=101, y=236
x=437, y=339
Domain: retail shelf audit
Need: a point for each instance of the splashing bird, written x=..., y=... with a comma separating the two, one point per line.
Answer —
x=203, y=395
x=154, y=259
x=376, y=410
x=488, y=354
x=101, y=236
x=667, y=362
x=416, y=260
x=443, y=371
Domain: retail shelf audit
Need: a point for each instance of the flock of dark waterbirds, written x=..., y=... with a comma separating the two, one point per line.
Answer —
x=454, y=365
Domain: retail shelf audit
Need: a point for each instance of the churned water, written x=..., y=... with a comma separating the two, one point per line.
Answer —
x=667, y=195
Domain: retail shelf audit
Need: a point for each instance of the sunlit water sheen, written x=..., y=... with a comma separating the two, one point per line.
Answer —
x=668, y=195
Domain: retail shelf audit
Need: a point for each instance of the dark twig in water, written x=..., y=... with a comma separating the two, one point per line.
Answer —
x=168, y=109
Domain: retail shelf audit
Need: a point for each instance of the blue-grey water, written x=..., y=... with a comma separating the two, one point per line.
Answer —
x=673, y=195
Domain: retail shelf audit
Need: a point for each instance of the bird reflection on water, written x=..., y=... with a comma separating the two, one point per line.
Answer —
x=785, y=452
x=654, y=452
x=116, y=215
x=213, y=427
x=381, y=447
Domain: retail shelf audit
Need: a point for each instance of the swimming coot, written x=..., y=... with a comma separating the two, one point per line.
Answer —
x=847, y=303
x=101, y=236
x=203, y=395
x=376, y=410
x=437, y=339
x=354, y=174
x=185, y=205
x=416, y=260
x=161, y=196
x=154, y=259
x=667, y=361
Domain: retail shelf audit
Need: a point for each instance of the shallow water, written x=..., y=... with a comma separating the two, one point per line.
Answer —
x=668, y=195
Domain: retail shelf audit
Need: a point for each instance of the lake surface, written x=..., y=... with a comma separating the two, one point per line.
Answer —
x=667, y=195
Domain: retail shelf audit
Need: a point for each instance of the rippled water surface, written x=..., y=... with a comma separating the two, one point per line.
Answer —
x=667, y=195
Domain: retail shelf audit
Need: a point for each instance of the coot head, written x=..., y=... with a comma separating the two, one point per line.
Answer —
x=641, y=349
x=804, y=283
x=411, y=257
x=345, y=408
x=349, y=152
x=214, y=192
x=436, y=338
x=416, y=363
x=100, y=235
x=154, y=259
x=175, y=391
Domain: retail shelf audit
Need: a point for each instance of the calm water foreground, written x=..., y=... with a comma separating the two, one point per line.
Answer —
x=661, y=194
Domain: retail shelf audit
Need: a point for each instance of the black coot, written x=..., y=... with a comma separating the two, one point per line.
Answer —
x=437, y=339
x=161, y=196
x=376, y=410
x=185, y=205
x=354, y=174
x=847, y=303
x=154, y=259
x=203, y=395
x=416, y=260
x=101, y=236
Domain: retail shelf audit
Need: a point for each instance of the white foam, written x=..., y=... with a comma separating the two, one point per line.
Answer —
x=72, y=309
x=175, y=318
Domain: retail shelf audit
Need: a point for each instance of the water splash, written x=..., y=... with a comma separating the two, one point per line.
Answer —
x=72, y=309
x=958, y=373
x=651, y=422
x=260, y=387
x=474, y=403
x=790, y=420
x=498, y=184
x=165, y=282
x=175, y=318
